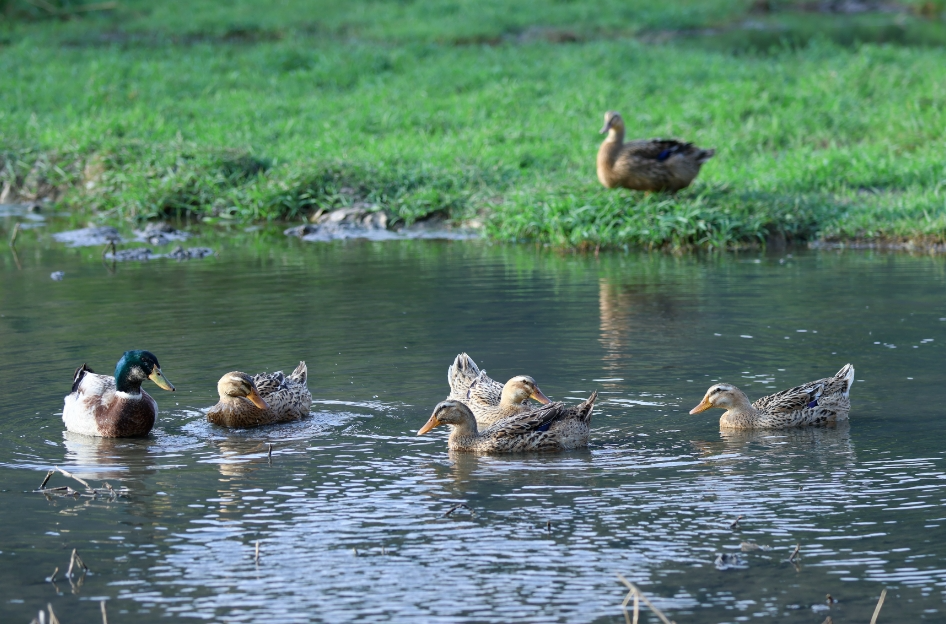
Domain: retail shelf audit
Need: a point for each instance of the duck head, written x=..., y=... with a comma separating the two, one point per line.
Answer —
x=518, y=389
x=240, y=386
x=449, y=413
x=722, y=395
x=612, y=121
x=136, y=366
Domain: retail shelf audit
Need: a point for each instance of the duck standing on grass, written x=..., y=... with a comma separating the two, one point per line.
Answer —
x=649, y=164
x=551, y=427
x=821, y=402
x=115, y=407
x=489, y=400
x=264, y=399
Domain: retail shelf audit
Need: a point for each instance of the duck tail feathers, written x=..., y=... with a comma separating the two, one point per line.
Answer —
x=463, y=366
x=301, y=373
x=587, y=407
x=846, y=374
x=79, y=374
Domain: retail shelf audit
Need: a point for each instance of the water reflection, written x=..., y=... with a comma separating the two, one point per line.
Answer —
x=351, y=508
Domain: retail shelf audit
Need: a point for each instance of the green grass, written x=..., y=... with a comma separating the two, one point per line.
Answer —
x=229, y=110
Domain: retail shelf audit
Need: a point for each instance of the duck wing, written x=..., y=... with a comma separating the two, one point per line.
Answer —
x=661, y=150
x=79, y=375
x=269, y=383
x=808, y=395
x=484, y=391
x=542, y=418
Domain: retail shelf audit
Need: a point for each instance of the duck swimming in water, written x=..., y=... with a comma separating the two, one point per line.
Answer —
x=551, y=427
x=263, y=399
x=820, y=402
x=115, y=406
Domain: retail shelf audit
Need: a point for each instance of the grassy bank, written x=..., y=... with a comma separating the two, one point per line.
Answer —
x=479, y=110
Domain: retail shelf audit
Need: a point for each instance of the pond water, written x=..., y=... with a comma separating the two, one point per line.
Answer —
x=350, y=509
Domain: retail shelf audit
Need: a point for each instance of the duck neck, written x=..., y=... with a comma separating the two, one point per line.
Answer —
x=609, y=150
x=509, y=398
x=615, y=135
x=465, y=433
x=128, y=377
x=741, y=414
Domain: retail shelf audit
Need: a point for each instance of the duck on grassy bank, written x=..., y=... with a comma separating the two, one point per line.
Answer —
x=489, y=400
x=264, y=399
x=820, y=402
x=648, y=164
x=115, y=406
x=551, y=427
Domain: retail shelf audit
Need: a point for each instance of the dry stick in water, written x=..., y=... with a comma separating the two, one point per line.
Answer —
x=46, y=480
x=104, y=613
x=52, y=616
x=256, y=558
x=794, y=553
x=633, y=590
x=735, y=522
x=72, y=476
x=455, y=507
x=16, y=231
x=880, y=603
x=52, y=577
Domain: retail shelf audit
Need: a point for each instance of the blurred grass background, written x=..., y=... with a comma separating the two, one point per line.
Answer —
x=827, y=117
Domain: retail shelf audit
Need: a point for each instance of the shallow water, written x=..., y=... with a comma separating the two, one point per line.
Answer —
x=350, y=510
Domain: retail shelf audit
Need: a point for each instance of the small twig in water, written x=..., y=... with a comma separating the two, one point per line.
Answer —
x=828, y=620
x=455, y=507
x=795, y=553
x=735, y=523
x=16, y=231
x=46, y=480
x=72, y=476
x=880, y=603
x=52, y=577
x=269, y=455
x=104, y=613
x=256, y=558
x=548, y=527
x=52, y=616
x=634, y=592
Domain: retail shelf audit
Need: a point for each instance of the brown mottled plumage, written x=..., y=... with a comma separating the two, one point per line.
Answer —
x=489, y=400
x=264, y=399
x=820, y=402
x=646, y=165
x=551, y=427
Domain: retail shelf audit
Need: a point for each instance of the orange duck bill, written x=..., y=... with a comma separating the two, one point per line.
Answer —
x=702, y=407
x=256, y=399
x=433, y=422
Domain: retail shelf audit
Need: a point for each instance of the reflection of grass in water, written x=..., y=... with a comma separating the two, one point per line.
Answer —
x=249, y=113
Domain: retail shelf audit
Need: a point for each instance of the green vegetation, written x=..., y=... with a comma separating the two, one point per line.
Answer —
x=825, y=125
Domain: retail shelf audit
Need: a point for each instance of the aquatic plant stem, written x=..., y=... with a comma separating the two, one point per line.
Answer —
x=880, y=603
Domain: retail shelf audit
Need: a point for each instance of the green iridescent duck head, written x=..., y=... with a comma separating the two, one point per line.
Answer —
x=136, y=366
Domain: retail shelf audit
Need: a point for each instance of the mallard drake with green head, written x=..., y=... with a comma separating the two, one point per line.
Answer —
x=490, y=400
x=264, y=399
x=821, y=402
x=115, y=406
x=550, y=427
x=648, y=164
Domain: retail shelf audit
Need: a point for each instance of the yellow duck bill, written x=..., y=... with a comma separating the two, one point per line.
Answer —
x=158, y=377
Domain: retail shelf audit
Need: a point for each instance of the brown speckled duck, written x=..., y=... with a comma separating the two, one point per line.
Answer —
x=649, y=164
x=551, y=427
x=489, y=400
x=115, y=406
x=821, y=402
x=264, y=399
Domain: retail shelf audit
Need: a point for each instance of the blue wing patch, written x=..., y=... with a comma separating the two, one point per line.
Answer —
x=664, y=155
x=813, y=403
